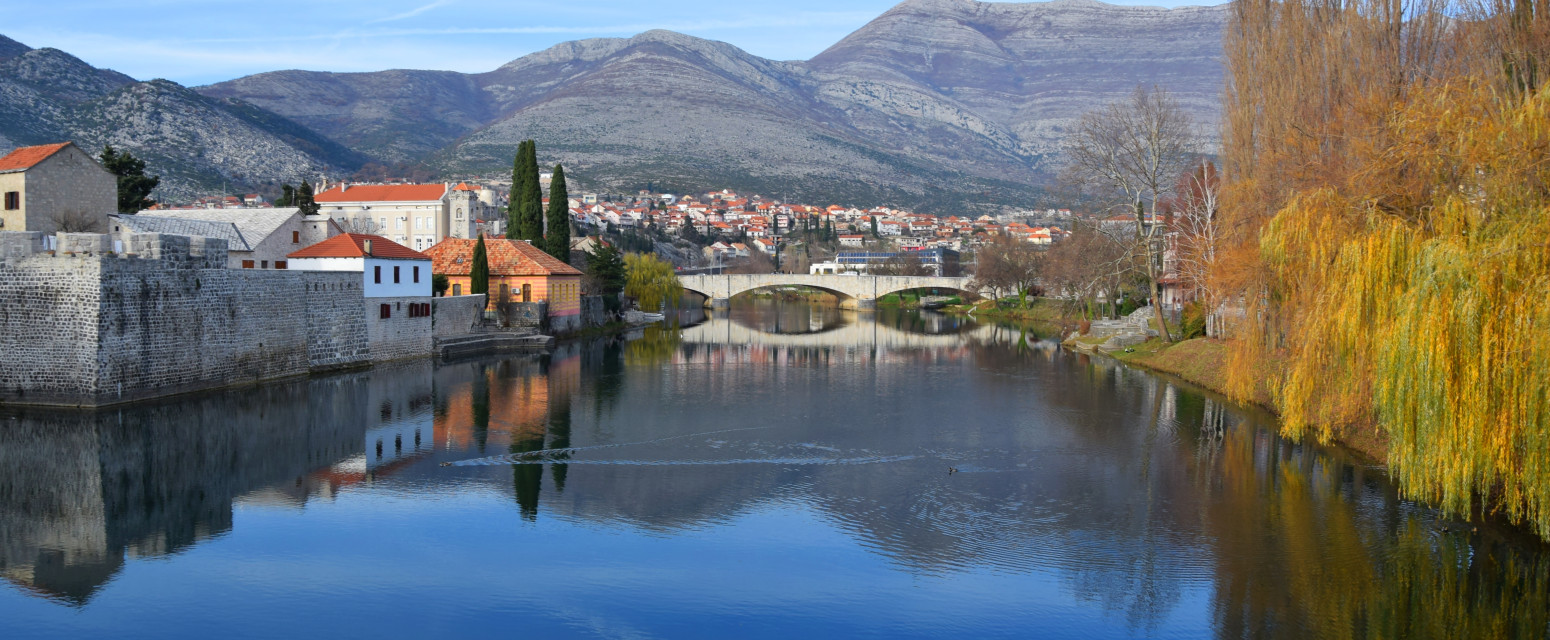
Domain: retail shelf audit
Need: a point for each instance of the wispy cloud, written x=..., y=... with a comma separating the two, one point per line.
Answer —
x=762, y=22
x=413, y=12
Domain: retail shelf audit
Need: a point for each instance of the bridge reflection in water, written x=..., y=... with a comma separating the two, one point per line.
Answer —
x=818, y=326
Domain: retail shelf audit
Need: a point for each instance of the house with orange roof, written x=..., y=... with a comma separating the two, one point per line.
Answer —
x=414, y=215
x=55, y=187
x=519, y=273
x=395, y=281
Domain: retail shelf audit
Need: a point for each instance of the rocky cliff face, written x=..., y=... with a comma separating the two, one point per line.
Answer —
x=1015, y=75
x=198, y=144
x=936, y=104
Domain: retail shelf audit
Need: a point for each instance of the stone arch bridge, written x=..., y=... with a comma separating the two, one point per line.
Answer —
x=854, y=291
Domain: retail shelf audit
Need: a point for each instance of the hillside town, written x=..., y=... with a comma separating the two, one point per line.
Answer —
x=693, y=230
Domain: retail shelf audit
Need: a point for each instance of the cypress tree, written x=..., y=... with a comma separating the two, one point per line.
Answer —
x=287, y=193
x=479, y=271
x=874, y=226
x=513, y=219
x=557, y=241
x=304, y=201
x=530, y=207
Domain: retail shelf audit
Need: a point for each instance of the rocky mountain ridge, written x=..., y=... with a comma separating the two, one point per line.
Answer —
x=197, y=144
x=937, y=105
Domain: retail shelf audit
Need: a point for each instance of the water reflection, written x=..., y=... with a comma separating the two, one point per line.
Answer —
x=1145, y=501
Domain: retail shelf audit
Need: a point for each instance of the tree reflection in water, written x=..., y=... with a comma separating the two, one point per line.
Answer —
x=1141, y=496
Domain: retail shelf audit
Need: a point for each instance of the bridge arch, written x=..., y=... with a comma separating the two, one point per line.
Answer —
x=854, y=290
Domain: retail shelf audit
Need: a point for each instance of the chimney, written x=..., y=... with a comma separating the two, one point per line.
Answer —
x=343, y=186
x=368, y=246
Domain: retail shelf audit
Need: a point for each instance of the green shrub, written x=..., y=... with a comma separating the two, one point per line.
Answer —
x=1194, y=322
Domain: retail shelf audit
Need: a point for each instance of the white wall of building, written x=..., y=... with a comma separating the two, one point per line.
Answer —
x=405, y=287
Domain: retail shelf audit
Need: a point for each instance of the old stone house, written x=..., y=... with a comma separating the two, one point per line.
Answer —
x=396, y=281
x=259, y=238
x=55, y=187
x=519, y=272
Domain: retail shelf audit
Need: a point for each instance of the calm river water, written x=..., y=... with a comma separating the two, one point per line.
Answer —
x=784, y=471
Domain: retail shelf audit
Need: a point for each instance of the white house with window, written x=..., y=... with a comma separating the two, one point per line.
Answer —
x=388, y=269
x=396, y=282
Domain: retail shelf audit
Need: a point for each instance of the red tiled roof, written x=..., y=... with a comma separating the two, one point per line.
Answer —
x=27, y=157
x=454, y=257
x=383, y=193
x=353, y=245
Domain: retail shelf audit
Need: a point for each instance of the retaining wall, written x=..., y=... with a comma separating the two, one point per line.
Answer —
x=456, y=315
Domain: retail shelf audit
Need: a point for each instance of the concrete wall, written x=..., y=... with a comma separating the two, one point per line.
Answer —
x=455, y=316
x=398, y=336
x=166, y=317
x=69, y=181
x=593, y=312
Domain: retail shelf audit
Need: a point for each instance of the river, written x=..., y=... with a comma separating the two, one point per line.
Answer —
x=778, y=470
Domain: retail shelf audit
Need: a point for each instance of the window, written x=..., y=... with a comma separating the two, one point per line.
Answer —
x=247, y=264
x=395, y=275
x=505, y=291
x=263, y=264
x=457, y=289
x=416, y=274
x=387, y=311
x=295, y=237
x=13, y=200
x=279, y=264
x=527, y=293
x=377, y=271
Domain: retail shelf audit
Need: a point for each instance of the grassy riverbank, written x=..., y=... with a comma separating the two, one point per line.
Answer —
x=1042, y=315
x=1203, y=362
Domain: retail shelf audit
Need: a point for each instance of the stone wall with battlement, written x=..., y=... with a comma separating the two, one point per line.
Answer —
x=84, y=326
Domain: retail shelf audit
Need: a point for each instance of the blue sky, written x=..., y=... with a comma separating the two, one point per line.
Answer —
x=198, y=42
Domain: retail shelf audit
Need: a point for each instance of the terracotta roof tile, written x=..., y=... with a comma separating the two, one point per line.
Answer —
x=26, y=157
x=353, y=245
x=454, y=257
x=383, y=193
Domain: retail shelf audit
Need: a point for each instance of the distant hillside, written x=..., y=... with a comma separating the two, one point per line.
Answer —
x=937, y=105
x=199, y=145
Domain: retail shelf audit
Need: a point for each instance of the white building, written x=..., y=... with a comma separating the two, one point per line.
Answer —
x=388, y=269
x=413, y=215
x=396, y=283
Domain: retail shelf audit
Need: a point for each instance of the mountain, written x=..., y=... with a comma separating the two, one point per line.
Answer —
x=198, y=144
x=1018, y=74
x=936, y=104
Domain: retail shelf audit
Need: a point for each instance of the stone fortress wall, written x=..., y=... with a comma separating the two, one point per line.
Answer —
x=83, y=326
x=401, y=335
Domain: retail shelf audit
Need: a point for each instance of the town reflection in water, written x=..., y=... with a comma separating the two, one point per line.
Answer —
x=1132, y=490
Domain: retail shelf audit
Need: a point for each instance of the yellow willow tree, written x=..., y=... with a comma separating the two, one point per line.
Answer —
x=651, y=281
x=1389, y=196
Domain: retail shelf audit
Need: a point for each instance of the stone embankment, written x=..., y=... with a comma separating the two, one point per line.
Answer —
x=1128, y=331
